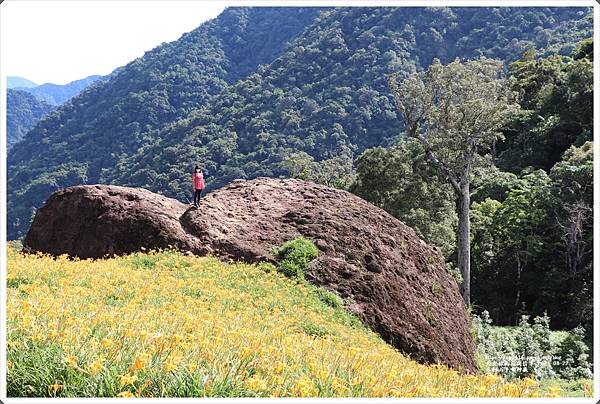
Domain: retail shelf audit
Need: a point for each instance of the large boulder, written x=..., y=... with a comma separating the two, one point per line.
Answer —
x=392, y=280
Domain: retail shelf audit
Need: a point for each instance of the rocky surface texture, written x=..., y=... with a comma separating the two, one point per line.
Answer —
x=392, y=280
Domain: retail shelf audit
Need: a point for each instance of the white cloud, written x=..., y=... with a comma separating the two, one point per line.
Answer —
x=60, y=41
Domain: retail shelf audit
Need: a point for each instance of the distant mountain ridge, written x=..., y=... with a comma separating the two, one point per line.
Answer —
x=15, y=81
x=57, y=94
x=23, y=111
x=248, y=88
x=28, y=103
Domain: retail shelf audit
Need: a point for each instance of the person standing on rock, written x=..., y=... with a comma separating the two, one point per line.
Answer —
x=198, y=180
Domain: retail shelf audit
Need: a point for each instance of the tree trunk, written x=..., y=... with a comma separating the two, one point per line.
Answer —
x=464, y=245
x=518, y=295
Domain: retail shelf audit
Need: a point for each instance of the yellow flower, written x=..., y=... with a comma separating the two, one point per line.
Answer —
x=203, y=337
x=279, y=366
x=256, y=383
x=304, y=387
x=55, y=387
x=338, y=386
x=529, y=382
x=106, y=343
x=553, y=392
x=278, y=381
x=169, y=366
x=128, y=379
x=246, y=352
x=511, y=390
x=139, y=363
x=95, y=367
x=71, y=360
x=491, y=379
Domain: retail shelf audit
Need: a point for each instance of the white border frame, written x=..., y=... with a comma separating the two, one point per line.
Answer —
x=318, y=3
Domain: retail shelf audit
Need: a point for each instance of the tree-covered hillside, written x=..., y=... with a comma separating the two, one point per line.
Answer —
x=114, y=119
x=28, y=103
x=23, y=111
x=327, y=95
x=57, y=94
x=532, y=196
x=204, y=98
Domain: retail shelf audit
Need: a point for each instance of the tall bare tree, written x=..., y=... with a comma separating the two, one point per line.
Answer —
x=456, y=112
x=573, y=224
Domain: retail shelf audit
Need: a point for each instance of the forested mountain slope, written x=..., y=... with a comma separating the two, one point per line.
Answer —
x=29, y=103
x=115, y=118
x=23, y=111
x=56, y=94
x=325, y=93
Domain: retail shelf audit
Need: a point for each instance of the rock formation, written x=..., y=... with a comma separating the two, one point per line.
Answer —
x=392, y=280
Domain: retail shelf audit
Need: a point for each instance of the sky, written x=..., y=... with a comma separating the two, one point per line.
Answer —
x=50, y=41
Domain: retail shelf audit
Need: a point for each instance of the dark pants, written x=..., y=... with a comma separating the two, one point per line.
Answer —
x=197, y=193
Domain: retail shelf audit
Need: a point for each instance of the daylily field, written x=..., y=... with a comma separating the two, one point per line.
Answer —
x=168, y=324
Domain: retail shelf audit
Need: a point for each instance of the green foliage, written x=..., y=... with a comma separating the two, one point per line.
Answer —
x=316, y=331
x=530, y=349
x=143, y=261
x=115, y=118
x=294, y=256
x=335, y=172
x=456, y=111
x=532, y=248
x=23, y=111
x=574, y=359
x=16, y=282
x=329, y=298
x=241, y=94
x=556, y=97
x=398, y=180
x=534, y=348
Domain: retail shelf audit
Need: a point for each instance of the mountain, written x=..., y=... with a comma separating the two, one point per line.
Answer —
x=327, y=95
x=28, y=103
x=23, y=111
x=118, y=116
x=14, y=81
x=57, y=94
x=241, y=94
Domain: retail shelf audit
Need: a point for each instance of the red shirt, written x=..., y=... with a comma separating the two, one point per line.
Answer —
x=198, y=179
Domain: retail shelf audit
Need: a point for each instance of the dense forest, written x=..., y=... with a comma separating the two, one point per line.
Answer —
x=112, y=120
x=57, y=94
x=23, y=111
x=246, y=98
x=532, y=200
x=28, y=103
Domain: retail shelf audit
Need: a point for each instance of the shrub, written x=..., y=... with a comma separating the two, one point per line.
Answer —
x=534, y=349
x=294, y=255
x=529, y=350
x=329, y=298
x=573, y=354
